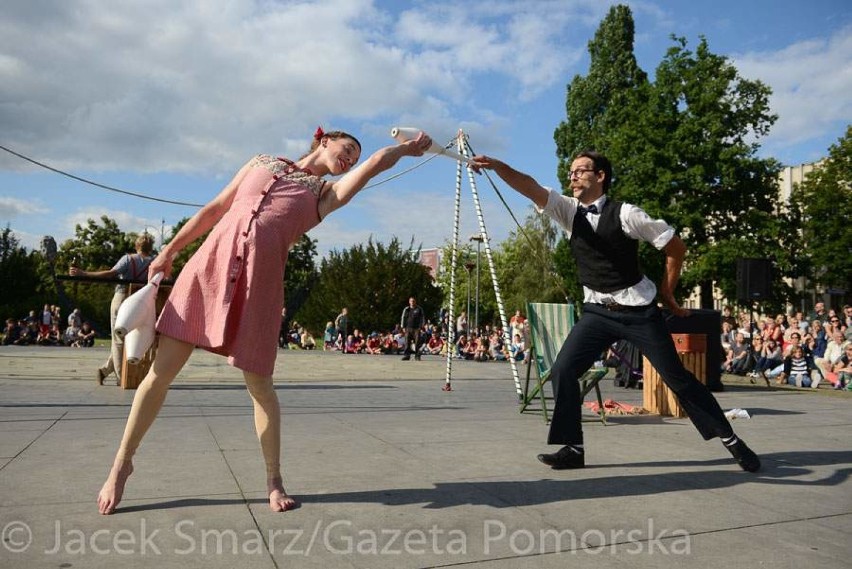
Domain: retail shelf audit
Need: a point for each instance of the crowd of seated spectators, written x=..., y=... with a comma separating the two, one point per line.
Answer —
x=488, y=344
x=45, y=329
x=798, y=349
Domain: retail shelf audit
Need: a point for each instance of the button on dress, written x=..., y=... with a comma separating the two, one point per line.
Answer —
x=228, y=297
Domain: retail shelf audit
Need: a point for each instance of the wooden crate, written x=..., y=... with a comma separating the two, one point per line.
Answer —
x=659, y=399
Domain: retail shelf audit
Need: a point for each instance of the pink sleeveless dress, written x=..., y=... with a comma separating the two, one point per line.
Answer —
x=228, y=297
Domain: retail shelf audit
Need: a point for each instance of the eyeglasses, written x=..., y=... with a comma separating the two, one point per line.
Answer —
x=579, y=172
x=833, y=320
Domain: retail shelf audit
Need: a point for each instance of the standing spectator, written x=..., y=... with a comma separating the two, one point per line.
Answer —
x=130, y=267
x=412, y=321
x=516, y=323
x=341, y=324
x=461, y=325
x=46, y=319
x=75, y=320
x=329, y=336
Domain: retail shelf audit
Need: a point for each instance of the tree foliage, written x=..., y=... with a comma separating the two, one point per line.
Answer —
x=824, y=201
x=683, y=148
x=374, y=281
x=301, y=273
x=22, y=278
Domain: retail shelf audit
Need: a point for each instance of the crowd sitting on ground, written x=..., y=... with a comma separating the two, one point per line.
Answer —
x=46, y=329
x=487, y=344
x=799, y=349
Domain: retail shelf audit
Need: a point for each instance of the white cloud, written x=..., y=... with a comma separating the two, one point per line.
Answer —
x=13, y=207
x=199, y=85
x=811, y=82
x=126, y=222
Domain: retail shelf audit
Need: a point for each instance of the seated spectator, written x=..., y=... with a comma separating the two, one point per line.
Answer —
x=737, y=357
x=85, y=337
x=496, y=348
x=351, y=345
x=373, y=345
x=70, y=335
x=435, y=346
x=832, y=353
x=799, y=370
x=480, y=353
x=46, y=318
x=768, y=358
x=360, y=341
x=843, y=369
x=329, y=336
x=517, y=350
x=307, y=340
x=388, y=344
x=12, y=333
x=463, y=348
x=727, y=336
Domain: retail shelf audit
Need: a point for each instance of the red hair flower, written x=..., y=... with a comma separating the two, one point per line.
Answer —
x=319, y=133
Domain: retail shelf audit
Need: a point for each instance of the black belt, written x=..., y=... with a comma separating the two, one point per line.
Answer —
x=616, y=307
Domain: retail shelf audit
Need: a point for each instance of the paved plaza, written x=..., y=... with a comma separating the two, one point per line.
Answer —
x=393, y=472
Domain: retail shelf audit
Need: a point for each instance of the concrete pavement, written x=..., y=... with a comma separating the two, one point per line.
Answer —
x=393, y=472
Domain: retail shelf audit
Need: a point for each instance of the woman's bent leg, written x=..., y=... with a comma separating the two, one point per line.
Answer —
x=267, y=422
x=170, y=359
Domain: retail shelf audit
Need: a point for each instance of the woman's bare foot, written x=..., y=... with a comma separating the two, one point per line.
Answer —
x=279, y=501
x=113, y=488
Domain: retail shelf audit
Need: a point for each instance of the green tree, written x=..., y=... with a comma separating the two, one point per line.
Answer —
x=94, y=247
x=683, y=148
x=21, y=275
x=825, y=202
x=185, y=253
x=600, y=101
x=301, y=274
x=374, y=281
x=525, y=266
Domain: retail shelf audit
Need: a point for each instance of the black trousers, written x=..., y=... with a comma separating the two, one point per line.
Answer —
x=412, y=336
x=645, y=328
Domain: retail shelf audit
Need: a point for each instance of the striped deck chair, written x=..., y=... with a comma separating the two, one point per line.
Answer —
x=549, y=325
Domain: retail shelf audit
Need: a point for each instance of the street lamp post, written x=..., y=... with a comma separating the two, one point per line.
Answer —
x=469, y=266
x=479, y=239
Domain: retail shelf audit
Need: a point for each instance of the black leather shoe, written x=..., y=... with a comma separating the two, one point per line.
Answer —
x=746, y=458
x=564, y=458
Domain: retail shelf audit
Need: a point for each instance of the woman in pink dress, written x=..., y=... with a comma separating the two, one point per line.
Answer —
x=224, y=295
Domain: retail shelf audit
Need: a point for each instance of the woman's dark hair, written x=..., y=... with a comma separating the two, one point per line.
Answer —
x=601, y=163
x=333, y=135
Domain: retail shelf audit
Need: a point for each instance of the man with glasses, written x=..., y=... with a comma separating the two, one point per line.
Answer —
x=604, y=237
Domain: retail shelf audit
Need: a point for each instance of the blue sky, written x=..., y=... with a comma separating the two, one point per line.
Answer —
x=169, y=99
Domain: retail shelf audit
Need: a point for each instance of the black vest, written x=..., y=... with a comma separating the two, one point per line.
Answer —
x=607, y=259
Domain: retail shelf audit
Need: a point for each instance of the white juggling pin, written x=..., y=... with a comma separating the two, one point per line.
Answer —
x=138, y=309
x=137, y=342
x=404, y=134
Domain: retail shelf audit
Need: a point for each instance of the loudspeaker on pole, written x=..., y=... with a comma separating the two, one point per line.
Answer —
x=754, y=279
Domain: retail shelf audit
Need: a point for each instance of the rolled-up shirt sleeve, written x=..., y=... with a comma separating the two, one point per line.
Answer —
x=639, y=225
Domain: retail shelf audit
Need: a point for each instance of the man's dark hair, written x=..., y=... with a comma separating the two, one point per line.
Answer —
x=601, y=163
